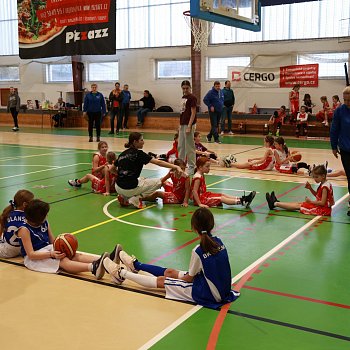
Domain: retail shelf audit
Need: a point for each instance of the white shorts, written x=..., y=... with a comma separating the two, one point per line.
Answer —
x=43, y=265
x=8, y=250
x=178, y=289
x=144, y=188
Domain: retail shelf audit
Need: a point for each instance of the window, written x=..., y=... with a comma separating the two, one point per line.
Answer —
x=103, y=71
x=59, y=73
x=9, y=73
x=218, y=66
x=173, y=69
x=331, y=65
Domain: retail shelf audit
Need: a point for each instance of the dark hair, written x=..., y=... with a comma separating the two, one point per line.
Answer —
x=202, y=222
x=323, y=98
x=146, y=91
x=303, y=106
x=296, y=85
x=227, y=81
x=269, y=139
x=179, y=162
x=36, y=211
x=284, y=107
x=176, y=136
x=117, y=83
x=319, y=170
x=275, y=114
x=280, y=141
x=21, y=197
x=111, y=157
x=216, y=82
x=196, y=133
x=134, y=136
x=185, y=83
x=336, y=97
x=307, y=97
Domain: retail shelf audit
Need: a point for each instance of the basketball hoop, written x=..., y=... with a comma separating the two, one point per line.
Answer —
x=200, y=30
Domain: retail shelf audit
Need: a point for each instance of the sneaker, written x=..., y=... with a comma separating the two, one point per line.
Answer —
x=15, y=128
x=270, y=201
x=324, y=122
x=125, y=127
x=208, y=139
x=218, y=142
x=348, y=213
x=277, y=133
x=128, y=261
x=222, y=133
x=247, y=200
x=114, y=270
x=111, y=133
x=97, y=266
x=325, y=164
x=273, y=197
x=232, y=158
x=98, y=139
x=90, y=139
x=114, y=255
x=74, y=183
x=231, y=133
x=136, y=201
x=123, y=201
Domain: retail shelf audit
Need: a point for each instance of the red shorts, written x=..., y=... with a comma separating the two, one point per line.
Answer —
x=171, y=198
x=284, y=168
x=99, y=186
x=267, y=165
x=312, y=209
x=210, y=199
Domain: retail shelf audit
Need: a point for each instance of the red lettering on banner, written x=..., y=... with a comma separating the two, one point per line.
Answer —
x=306, y=75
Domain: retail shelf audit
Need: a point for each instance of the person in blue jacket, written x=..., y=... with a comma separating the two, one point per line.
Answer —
x=214, y=99
x=340, y=134
x=95, y=109
x=124, y=113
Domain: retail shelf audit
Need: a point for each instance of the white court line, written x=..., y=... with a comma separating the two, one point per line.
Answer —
x=32, y=156
x=105, y=210
x=230, y=189
x=257, y=262
x=28, y=165
x=41, y=171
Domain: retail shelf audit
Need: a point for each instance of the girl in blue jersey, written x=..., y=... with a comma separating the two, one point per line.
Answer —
x=37, y=249
x=208, y=280
x=12, y=218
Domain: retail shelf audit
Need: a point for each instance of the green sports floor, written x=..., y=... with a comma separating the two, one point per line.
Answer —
x=293, y=270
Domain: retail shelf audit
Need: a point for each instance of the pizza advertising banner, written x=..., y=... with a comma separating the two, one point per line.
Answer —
x=280, y=77
x=52, y=28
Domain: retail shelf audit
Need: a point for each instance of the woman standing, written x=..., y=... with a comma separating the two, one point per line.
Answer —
x=294, y=103
x=115, y=99
x=130, y=186
x=13, y=105
x=188, y=120
x=95, y=109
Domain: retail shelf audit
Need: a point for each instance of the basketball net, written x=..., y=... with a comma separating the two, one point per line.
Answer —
x=200, y=30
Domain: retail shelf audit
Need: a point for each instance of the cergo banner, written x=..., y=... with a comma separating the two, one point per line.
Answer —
x=283, y=77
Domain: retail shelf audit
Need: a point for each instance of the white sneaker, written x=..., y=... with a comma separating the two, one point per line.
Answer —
x=128, y=261
x=136, y=201
x=15, y=128
x=114, y=270
x=74, y=183
x=222, y=133
x=230, y=133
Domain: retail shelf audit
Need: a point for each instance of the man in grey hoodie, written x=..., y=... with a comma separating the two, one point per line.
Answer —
x=13, y=105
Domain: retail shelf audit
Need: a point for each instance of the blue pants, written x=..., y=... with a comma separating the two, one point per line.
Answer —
x=215, y=118
x=226, y=112
x=141, y=113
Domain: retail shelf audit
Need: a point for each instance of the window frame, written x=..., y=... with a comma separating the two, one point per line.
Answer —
x=11, y=80
x=47, y=74
x=208, y=58
x=87, y=76
x=157, y=61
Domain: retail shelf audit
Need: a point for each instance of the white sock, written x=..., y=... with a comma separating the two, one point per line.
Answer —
x=146, y=281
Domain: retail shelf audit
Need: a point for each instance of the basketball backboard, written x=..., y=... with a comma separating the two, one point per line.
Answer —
x=243, y=14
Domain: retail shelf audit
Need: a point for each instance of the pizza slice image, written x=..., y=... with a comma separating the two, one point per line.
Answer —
x=30, y=29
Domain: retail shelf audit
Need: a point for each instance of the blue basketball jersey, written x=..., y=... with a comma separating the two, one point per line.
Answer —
x=39, y=236
x=212, y=277
x=15, y=220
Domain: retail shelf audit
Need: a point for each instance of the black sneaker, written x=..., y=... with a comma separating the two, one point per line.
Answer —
x=114, y=256
x=90, y=139
x=247, y=200
x=348, y=213
x=270, y=201
x=98, y=139
x=97, y=266
x=74, y=183
x=273, y=197
x=208, y=139
x=111, y=133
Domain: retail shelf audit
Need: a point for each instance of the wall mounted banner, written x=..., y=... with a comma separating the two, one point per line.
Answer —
x=281, y=77
x=51, y=28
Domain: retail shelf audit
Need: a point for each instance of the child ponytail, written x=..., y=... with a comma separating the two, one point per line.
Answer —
x=133, y=136
x=21, y=198
x=280, y=141
x=203, y=222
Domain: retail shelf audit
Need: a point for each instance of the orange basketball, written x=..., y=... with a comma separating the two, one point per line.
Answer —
x=296, y=156
x=66, y=243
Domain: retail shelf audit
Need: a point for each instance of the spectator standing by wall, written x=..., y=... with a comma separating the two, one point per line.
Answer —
x=13, y=105
x=229, y=101
x=95, y=109
x=115, y=99
x=124, y=113
x=214, y=99
x=340, y=134
x=148, y=106
x=188, y=120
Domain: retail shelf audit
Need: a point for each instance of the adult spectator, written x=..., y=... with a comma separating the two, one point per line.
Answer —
x=61, y=108
x=187, y=127
x=13, y=104
x=95, y=109
x=229, y=101
x=148, y=106
x=115, y=100
x=124, y=113
x=340, y=135
x=214, y=99
x=130, y=186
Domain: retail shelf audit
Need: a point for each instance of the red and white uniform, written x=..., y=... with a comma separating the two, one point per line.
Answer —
x=101, y=161
x=325, y=109
x=173, y=153
x=175, y=192
x=283, y=167
x=294, y=102
x=208, y=198
x=268, y=164
x=313, y=209
x=99, y=185
x=302, y=118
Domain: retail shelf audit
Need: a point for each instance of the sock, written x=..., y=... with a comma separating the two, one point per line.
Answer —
x=152, y=269
x=146, y=281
